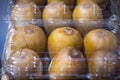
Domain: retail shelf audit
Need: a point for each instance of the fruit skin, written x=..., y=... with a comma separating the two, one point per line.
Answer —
x=84, y=9
x=67, y=64
x=104, y=65
x=37, y=2
x=99, y=2
x=31, y=37
x=99, y=39
x=67, y=2
x=63, y=37
x=25, y=11
x=56, y=14
x=22, y=63
x=87, y=16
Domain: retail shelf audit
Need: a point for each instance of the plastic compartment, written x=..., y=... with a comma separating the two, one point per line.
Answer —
x=72, y=62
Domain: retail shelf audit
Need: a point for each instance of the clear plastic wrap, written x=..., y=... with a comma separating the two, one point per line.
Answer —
x=59, y=41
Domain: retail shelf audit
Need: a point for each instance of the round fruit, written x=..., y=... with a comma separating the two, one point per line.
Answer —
x=63, y=37
x=99, y=2
x=104, y=65
x=99, y=39
x=25, y=11
x=67, y=2
x=66, y=64
x=84, y=9
x=56, y=14
x=37, y=2
x=31, y=37
x=86, y=16
x=22, y=64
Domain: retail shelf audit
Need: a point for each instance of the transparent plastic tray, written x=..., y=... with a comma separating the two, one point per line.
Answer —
x=67, y=66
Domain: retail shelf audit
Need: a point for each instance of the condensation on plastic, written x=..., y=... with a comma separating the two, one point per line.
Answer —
x=25, y=13
x=9, y=69
x=26, y=62
x=108, y=22
x=56, y=14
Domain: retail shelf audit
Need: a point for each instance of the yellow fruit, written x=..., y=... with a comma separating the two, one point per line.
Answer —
x=22, y=64
x=99, y=39
x=25, y=11
x=67, y=2
x=31, y=37
x=104, y=65
x=86, y=16
x=63, y=37
x=56, y=14
x=87, y=10
x=66, y=64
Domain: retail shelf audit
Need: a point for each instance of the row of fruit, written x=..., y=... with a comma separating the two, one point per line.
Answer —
x=73, y=57
x=68, y=3
x=79, y=52
x=58, y=14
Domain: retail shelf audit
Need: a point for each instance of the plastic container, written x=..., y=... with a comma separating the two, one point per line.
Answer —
x=54, y=42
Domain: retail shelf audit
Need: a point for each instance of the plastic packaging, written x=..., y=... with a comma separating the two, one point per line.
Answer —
x=62, y=42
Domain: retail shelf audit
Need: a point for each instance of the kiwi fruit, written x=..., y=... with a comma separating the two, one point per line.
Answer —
x=67, y=2
x=67, y=64
x=104, y=65
x=87, y=16
x=63, y=37
x=99, y=39
x=37, y=2
x=24, y=64
x=56, y=14
x=24, y=12
x=85, y=8
x=29, y=36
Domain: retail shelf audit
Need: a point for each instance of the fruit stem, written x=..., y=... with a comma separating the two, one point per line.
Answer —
x=68, y=31
x=75, y=53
